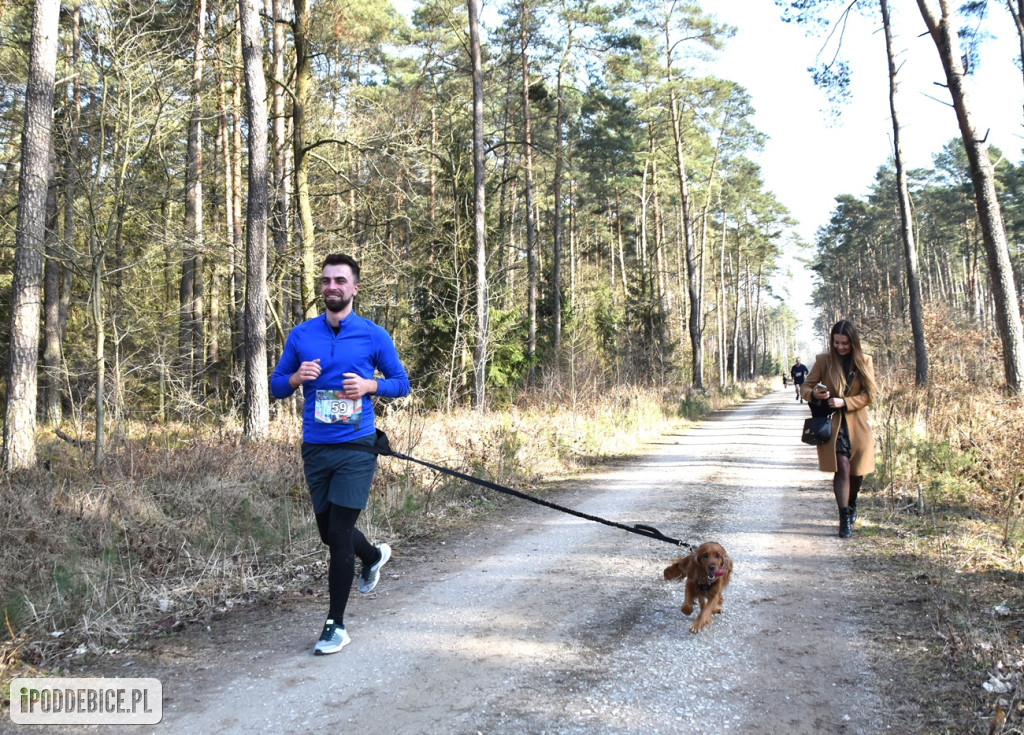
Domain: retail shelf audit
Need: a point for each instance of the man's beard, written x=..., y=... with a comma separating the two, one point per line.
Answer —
x=336, y=304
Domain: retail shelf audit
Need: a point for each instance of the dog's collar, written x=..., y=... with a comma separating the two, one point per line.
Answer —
x=705, y=586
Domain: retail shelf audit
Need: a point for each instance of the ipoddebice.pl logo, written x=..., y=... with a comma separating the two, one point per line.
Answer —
x=86, y=701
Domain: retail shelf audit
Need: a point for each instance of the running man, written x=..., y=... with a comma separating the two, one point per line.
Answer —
x=334, y=357
x=799, y=372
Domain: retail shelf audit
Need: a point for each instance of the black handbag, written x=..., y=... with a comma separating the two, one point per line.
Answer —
x=817, y=430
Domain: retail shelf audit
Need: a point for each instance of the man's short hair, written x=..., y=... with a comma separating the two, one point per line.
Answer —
x=342, y=259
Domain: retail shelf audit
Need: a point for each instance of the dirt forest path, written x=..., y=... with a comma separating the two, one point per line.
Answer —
x=540, y=622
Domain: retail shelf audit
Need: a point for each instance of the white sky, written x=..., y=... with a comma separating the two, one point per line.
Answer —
x=808, y=161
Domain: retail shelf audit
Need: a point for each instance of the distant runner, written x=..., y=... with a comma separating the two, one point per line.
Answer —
x=799, y=372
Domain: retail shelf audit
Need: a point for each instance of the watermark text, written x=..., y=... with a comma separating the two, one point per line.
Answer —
x=86, y=701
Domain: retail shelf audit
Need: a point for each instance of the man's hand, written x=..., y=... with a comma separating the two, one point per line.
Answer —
x=307, y=371
x=357, y=387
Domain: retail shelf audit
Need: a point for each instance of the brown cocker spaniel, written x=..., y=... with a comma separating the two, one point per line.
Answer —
x=706, y=572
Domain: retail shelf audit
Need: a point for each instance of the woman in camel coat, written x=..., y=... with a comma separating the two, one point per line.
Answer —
x=849, y=379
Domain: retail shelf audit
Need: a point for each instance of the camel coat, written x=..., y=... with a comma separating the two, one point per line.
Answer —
x=858, y=421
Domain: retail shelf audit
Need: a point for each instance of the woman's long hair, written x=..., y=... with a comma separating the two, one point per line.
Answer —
x=834, y=369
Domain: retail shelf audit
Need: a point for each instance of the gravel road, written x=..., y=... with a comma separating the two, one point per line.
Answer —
x=539, y=622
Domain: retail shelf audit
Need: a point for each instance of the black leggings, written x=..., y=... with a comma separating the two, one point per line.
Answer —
x=338, y=530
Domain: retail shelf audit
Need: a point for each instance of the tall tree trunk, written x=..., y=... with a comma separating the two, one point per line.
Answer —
x=71, y=167
x=257, y=408
x=199, y=324
x=705, y=220
x=506, y=179
x=356, y=233
x=479, y=210
x=282, y=202
x=191, y=346
x=722, y=349
x=693, y=291
x=351, y=166
x=62, y=260
x=19, y=449
x=556, y=256
x=531, y=229
x=433, y=165
x=99, y=243
x=185, y=335
x=99, y=355
x=620, y=245
x=237, y=264
x=749, y=300
x=303, y=83
x=655, y=309
x=736, y=313
x=213, y=348
x=1004, y=292
x=573, y=235
x=757, y=338
x=222, y=168
x=52, y=350
x=906, y=221
x=641, y=232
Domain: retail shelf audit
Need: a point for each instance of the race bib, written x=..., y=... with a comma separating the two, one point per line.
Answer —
x=332, y=407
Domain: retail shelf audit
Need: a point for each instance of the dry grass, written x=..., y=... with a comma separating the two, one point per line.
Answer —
x=184, y=523
x=170, y=529
x=949, y=543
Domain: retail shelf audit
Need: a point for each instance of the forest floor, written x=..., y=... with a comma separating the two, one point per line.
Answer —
x=532, y=621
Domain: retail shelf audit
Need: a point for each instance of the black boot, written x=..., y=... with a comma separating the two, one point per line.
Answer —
x=845, y=531
x=853, y=513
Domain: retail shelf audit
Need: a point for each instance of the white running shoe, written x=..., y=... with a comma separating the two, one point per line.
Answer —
x=332, y=640
x=369, y=576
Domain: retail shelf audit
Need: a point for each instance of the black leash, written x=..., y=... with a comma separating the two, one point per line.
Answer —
x=383, y=447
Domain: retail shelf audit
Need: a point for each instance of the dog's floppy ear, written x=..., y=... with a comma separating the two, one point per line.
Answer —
x=678, y=569
x=728, y=562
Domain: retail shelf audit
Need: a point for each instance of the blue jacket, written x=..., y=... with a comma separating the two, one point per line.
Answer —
x=360, y=347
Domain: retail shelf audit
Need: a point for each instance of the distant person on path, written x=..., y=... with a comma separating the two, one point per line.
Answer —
x=799, y=372
x=334, y=357
x=849, y=380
